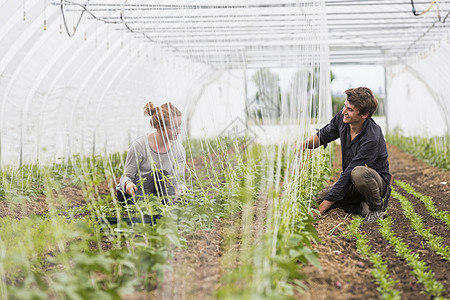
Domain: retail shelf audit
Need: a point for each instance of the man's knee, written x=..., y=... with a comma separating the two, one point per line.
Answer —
x=359, y=175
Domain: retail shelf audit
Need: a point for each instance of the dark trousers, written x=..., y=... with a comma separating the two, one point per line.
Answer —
x=367, y=186
x=155, y=183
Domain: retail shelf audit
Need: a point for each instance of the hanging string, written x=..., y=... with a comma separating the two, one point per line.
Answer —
x=45, y=15
x=60, y=24
x=96, y=34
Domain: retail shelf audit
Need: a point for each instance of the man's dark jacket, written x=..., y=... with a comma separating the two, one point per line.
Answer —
x=368, y=148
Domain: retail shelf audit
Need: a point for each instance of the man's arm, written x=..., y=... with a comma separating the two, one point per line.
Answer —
x=328, y=133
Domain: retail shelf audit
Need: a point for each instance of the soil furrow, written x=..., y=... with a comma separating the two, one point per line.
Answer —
x=436, y=226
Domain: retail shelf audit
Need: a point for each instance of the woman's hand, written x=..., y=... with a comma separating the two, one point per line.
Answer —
x=130, y=187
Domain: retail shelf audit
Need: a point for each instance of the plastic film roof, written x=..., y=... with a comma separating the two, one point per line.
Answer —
x=74, y=75
x=253, y=34
x=224, y=34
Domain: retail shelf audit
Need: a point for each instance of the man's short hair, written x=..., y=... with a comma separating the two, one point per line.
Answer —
x=363, y=99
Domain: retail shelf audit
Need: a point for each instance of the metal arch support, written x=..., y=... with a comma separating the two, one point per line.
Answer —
x=119, y=71
x=126, y=67
x=113, y=62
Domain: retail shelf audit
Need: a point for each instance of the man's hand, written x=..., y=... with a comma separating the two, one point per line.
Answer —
x=310, y=143
x=303, y=146
x=324, y=206
x=300, y=147
x=315, y=215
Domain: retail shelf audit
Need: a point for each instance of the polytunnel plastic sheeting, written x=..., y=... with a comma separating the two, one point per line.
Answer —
x=84, y=94
x=62, y=96
x=222, y=102
x=418, y=101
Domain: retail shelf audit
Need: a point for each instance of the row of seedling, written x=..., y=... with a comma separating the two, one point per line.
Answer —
x=442, y=215
x=270, y=268
x=420, y=270
x=416, y=222
x=380, y=273
x=58, y=256
x=435, y=150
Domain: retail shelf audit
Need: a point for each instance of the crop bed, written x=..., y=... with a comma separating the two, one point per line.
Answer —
x=406, y=256
x=430, y=182
x=343, y=275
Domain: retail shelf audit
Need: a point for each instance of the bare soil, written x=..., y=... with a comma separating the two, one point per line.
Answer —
x=65, y=198
x=428, y=181
x=343, y=273
x=196, y=269
x=346, y=276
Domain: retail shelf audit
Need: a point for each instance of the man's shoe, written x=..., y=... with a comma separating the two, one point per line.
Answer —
x=373, y=216
x=363, y=209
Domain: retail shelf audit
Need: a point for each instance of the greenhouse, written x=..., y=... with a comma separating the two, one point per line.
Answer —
x=184, y=149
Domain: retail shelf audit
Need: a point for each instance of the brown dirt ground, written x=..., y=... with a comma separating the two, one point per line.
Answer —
x=65, y=198
x=426, y=180
x=345, y=276
x=195, y=271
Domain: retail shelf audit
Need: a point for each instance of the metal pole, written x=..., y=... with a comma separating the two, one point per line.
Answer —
x=386, y=101
x=246, y=99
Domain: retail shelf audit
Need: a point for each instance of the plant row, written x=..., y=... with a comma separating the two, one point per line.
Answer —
x=424, y=276
x=435, y=151
x=60, y=255
x=433, y=241
x=270, y=266
x=380, y=272
x=442, y=215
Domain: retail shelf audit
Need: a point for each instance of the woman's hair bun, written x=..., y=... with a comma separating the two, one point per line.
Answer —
x=149, y=109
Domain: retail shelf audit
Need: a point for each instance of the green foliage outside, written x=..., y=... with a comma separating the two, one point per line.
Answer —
x=435, y=150
x=266, y=103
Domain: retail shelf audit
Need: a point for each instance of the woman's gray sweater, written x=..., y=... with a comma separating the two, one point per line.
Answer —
x=142, y=160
